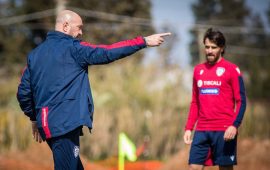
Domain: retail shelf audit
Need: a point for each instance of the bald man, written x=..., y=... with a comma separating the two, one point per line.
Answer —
x=55, y=92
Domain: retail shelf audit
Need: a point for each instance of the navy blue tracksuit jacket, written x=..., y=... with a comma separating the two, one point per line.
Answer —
x=55, y=89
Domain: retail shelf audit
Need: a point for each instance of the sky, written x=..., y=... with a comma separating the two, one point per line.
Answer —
x=178, y=15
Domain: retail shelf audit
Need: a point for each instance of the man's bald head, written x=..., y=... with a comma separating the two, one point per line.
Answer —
x=69, y=23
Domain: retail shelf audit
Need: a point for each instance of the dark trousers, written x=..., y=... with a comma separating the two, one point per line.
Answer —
x=65, y=151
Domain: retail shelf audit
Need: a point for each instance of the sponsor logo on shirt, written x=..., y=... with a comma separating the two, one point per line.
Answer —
x=220, y=71
x=211, y=91
x=212, y=83
x=208, y=83
x=199, y=83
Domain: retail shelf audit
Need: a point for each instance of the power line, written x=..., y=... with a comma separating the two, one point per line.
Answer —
x=82, y=12
x=112, y=17
x=134, y=20
x=27, y=17
x=246, y=51
x=86, y=26
x=123, y=19
x=230, y=29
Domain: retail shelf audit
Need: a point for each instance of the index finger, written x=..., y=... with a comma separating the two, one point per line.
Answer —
x=165, y=34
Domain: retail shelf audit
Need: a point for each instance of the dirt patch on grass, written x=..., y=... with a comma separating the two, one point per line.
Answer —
x=252, y=154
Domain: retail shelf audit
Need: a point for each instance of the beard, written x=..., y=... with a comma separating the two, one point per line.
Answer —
x=212, y=58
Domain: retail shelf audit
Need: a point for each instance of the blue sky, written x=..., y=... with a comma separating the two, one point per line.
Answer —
x=178, y=14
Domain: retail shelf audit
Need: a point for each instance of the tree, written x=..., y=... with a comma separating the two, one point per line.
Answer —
x=256, y=63
x=38, y=18
x=266, y=84
x=218, y=14
x=132, y=18
x=17, y=37
x=38, y=27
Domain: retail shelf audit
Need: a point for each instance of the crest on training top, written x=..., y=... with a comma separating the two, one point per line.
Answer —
x=232, y=157
x=76, y=151
x=220, y=71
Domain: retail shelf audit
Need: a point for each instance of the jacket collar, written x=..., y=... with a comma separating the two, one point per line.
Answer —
x=54, y=34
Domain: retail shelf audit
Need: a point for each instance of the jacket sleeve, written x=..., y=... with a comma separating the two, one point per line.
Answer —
x=194, y=106
x=239, y=95
x=89, y=54
x=25, y=96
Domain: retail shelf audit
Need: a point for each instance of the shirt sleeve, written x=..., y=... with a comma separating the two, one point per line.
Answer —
x=239, y=95
x=194, y=106
x=25, y=96
x=89, y=54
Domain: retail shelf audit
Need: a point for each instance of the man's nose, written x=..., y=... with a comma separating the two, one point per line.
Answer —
x=210, y=50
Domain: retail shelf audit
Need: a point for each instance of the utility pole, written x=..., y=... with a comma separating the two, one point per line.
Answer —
x=200, y=36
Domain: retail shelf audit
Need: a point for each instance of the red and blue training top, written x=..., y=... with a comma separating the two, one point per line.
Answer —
x=218, y=97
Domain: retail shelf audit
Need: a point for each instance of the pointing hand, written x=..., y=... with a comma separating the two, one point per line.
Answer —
x=156, y=39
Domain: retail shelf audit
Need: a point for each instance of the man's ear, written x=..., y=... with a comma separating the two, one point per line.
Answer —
x=65, y=26
x=222, y=50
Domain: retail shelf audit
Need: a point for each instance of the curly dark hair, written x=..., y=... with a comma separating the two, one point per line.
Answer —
x=216, y=37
